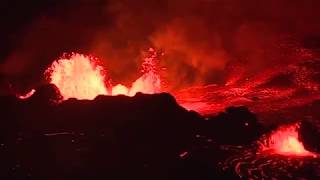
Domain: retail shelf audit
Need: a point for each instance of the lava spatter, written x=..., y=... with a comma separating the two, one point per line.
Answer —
x=150, y=81
x=285, y=141
x=77, y=76
x=277, y=155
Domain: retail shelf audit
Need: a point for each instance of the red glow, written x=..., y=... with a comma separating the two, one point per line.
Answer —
x=285, y=141
x=79, y=77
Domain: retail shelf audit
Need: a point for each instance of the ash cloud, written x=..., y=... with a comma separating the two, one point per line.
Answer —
x=201, y=39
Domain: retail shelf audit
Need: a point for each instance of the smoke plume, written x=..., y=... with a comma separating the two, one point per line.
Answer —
x=201, y=39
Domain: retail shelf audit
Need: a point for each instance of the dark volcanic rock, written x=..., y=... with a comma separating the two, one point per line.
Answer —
x=310, y=126
x=310, y=135
x=46, y=93
x=115, y=136
x=140, y=136
x=237, y=125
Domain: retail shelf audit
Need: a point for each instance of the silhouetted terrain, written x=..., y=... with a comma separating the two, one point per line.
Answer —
x=144, y=136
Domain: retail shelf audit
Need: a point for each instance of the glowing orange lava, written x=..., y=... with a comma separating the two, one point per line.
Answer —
x=79, y=77
x=285, y=141
x=149, y=82
x=120, y=89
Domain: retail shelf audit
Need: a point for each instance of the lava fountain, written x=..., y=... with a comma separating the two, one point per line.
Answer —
x=278, y=155
x=79, y=76
x=285, y=141
x=150, y=81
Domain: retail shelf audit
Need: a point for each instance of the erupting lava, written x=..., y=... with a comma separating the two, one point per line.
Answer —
x=79, y=76
x=280, y=155
x=149, y=82
x=285, y=141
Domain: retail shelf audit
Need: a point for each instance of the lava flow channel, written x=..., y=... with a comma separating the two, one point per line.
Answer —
x=79, y=76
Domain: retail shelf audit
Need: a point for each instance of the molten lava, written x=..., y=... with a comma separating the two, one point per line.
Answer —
x=120, y=89
x=149, y=82
x=79, y=77
x=285, y=141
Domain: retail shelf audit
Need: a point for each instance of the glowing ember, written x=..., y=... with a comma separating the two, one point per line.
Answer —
x=285, y=141
x=77, y=77
x=28, y=95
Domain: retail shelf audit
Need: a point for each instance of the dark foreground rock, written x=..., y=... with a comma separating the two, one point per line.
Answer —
x=237, y=126
x=145, y=136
